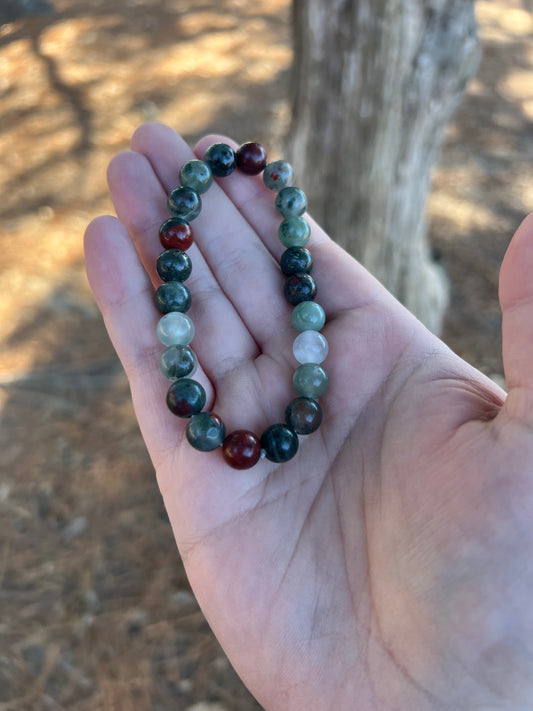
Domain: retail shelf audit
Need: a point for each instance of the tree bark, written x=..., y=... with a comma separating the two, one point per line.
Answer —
x=11, y=10
x=374, y=84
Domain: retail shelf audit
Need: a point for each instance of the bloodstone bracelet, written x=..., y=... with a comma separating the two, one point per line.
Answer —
x=186, y=398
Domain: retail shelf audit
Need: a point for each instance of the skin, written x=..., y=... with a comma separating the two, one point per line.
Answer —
x=389, y=565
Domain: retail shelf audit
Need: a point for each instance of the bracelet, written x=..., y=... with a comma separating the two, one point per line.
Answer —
x=186, y=397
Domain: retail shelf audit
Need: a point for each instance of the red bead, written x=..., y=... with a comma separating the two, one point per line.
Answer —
x=251, y=158
x=241, y=449
x=175, y=234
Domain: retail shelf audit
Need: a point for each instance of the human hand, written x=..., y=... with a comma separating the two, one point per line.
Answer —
x=389, y=564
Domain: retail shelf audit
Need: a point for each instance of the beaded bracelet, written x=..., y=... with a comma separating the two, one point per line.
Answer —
x=186, y=397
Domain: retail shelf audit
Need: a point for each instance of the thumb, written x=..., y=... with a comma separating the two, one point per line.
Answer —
x=516, y=300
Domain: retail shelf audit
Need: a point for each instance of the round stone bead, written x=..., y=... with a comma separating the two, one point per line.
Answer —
x=280, y=443
x=178, y=362
x=221, y=159
x=251, y=158
x=294, y=232
x=175, y=233
x=303, y=415
x=205, y=431
x=175, y=329
x=296, y=260
x=197, y=175
x=278, y=175
x=174, y=265
x=311, y=380
x=310, y=347
x=184, y=203
x=299, y=287
x=241, y=449
x=291, y=202
x=185, y=397
x=173, y=296
x=308, y=316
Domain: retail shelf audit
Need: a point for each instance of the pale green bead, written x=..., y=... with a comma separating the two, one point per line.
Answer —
x=197, y=175
x=278, y=175
x=294, y=232
x=311, y=380
x=308, y=316
x=310, y=347
x=175, y=329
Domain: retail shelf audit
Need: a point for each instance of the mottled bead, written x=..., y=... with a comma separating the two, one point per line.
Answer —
x=294, y=232
x=175, y=233
x=278, y=175
x=185, y=397
x=251, y=158
x=184, y=203
x=310, y=347
x=291, y=202
x=280, y=443
x=303, y=415
x=311, y=380
x=173, y=296
x=299, y=287
x=197, y=175
x=178, y=362
x=308, y=316
x=296, y=260
x=205, y=431
x=241, y=449
x=175, y=329
x=174, y=265
x=221, y=159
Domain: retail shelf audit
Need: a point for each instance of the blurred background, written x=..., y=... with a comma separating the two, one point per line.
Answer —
x=95, y=609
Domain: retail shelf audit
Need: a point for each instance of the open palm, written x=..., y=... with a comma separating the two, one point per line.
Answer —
x=389, y=564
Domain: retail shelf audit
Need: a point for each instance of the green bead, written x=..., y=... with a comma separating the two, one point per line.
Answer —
x=205, y=431
x=184, y=203
x=197, y=175
x=294, y=232
x=178, y=362
x=173, y=296
x=308, y=316
x=310, y=380
x=278, y=175
x=291, y=202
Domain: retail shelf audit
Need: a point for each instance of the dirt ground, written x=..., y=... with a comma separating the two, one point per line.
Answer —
x=95, y=608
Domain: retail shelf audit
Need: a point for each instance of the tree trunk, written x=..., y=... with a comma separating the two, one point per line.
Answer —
x=11, y=10
x=374, y=85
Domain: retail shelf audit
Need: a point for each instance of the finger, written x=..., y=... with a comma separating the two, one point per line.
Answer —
x=516, y=300
x=245, y=270
x=124, y=295
x=140, y=203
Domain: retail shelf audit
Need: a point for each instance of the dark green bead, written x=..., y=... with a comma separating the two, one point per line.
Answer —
x=177, y=362
x=310, y=380
x=174, y=265
x=294, y=232
x=280, y=443
x=278, y=175
x=221, y=159
x=205, y=431
x=184, y=203
x=303, y=415
x=296, y=260
x=299, y=287
x=173, y=296
x=197, y=175
x=291, y=202
x=185, y=397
